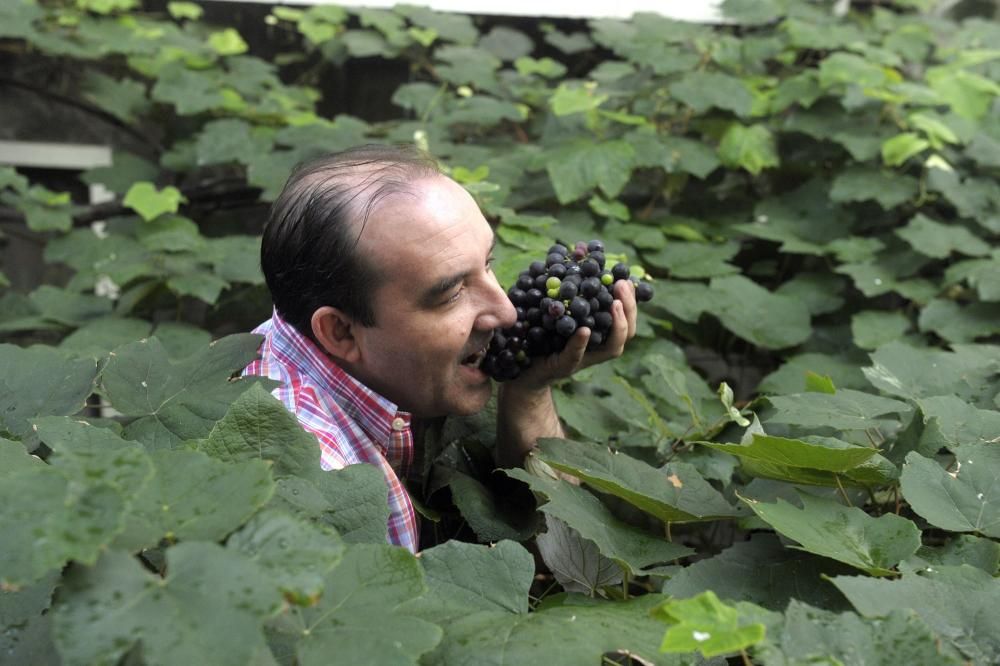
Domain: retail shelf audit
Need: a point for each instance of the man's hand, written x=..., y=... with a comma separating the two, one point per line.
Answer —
x=525, y=410
x=574, y=356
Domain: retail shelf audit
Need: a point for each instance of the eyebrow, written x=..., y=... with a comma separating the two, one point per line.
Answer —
x=446, y=284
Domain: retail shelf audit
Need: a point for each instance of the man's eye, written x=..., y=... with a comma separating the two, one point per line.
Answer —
x=489, y=263
x=454, y=297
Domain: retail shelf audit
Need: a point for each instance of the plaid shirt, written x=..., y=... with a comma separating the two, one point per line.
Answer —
x=352, y=423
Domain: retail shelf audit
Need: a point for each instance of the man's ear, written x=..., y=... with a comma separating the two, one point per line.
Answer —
x=334, y=331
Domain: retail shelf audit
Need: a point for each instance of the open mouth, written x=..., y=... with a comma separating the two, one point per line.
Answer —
x=475, y=359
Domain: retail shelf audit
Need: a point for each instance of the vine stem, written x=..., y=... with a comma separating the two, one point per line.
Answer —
x=746, y=657
x=843, y=493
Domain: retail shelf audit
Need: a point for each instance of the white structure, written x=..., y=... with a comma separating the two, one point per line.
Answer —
x=701, y=11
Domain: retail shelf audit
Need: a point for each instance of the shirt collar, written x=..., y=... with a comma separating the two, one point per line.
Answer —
x=375, y=414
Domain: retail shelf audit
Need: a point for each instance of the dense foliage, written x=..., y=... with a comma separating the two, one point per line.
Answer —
x=796, y=461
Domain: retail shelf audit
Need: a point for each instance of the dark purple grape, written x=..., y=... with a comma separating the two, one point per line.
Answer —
x=605, y=299
x=619, y=271
x=489, y=365
x=557, y=270
x=599, y=258
x=576, y=279
x=516, y=296
x=579, y=308
x=548, y=322
x=525, y=282
x=533, y=316
x=536, y=268
x=556, y=309
x=578, y=254
x=567, y=290
x=517, y=330
x=559, y=248
x=589, y=268
x=572, y=269
x=498, y=342
x=643, y=292
x=521, y=313
x=589, y=287
x=595, y=305
x=506, y=359
x=536, y=335
x=595, y=246
x=544, y=304
x=533, y=297
x=603, y=321
x=565, y=326
x=540, y=282
x=596, y=340
x=554, y=258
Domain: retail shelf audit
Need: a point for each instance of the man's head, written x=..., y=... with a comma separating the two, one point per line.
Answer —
x=385, y=264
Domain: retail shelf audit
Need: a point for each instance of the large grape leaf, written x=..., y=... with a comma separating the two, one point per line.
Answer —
x=938, y=240
x=956, y=422
x=849, y=535
x=820, y=453
x=465, y=578
x=703, y=90
x=297, y=555
x=480, y=508
x=48, y=519
x=965, y=500
x=207, y=610
x=761, y=571
x=676, y=493
x=99, y=337
x=39, y=381
x=576, y=562
x=770, y=320
x=586, y=630
x=858, y=183
x=705, y=624
x=812, y=635
x=194, y=497
x=958, y=323
x=172, y=401
x=627, y=545
x=962, y=549
x=361, y=617
x=844, y=410
x=959, y=603
x=908, y=372
x=578, y=167
x=791, y=376
x=353, y=500
x=27, y=634
x=83, y=452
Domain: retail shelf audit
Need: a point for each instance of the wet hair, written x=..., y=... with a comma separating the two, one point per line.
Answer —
x=309, y=253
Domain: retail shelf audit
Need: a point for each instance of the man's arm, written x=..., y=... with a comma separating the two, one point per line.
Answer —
x=525, y=409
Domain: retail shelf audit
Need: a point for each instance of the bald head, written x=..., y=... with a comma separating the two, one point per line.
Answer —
x=309, y=253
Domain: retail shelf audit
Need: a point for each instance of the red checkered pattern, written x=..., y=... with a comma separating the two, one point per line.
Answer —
x=352, y=423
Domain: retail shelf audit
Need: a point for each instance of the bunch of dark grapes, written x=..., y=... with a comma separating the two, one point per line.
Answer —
x=553, y=298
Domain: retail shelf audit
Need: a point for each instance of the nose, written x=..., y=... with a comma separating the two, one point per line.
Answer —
x=498, y=311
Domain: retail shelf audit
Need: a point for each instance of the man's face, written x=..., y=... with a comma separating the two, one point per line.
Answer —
x=438, y=303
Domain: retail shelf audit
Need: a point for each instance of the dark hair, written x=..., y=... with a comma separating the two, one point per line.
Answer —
x=309, y=251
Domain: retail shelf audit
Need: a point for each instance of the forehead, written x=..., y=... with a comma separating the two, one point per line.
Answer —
x=435, y=219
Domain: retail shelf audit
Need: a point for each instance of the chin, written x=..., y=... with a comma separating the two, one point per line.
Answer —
x=473, y=402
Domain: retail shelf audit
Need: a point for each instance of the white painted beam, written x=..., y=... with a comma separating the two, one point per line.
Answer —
x=54, y=155
x=700, y=11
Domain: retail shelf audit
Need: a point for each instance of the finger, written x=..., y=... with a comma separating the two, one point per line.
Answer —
x=625, y=293
x=570, y=358
x=619, y=333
